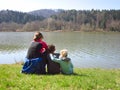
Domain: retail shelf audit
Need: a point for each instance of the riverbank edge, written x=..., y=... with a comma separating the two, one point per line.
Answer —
x=97, y=30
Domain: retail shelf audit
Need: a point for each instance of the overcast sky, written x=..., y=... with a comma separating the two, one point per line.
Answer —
x=30, y=5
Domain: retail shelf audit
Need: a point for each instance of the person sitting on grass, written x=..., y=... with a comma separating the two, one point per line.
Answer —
x=65, y=62
x=52, y=67
x=34, y=60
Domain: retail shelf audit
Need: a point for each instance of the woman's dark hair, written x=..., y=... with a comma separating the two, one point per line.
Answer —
x=37, y=36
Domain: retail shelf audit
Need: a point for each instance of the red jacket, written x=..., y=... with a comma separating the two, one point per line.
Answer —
x=44, y=45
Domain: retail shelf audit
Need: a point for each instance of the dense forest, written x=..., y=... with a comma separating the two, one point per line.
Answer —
x=67, y=20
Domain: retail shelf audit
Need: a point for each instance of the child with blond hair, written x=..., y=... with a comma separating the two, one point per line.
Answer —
x=65, y=62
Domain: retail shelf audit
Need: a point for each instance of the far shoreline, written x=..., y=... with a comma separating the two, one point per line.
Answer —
x=99, y=30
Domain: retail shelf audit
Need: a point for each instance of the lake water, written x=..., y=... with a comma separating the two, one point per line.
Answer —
x=86, y=49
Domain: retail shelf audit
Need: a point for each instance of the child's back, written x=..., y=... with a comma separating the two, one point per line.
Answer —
x=66, y=65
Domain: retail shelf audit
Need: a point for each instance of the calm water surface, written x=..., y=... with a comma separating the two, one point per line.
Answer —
x=86, y=49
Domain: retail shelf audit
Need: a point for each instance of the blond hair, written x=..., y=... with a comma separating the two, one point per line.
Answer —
x=37, y=35
x=64, y=53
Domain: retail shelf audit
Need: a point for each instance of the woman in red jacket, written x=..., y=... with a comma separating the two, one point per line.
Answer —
x=38, y=37
x=35, y=61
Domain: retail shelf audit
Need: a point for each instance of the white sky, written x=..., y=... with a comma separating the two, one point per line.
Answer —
x=30, y=5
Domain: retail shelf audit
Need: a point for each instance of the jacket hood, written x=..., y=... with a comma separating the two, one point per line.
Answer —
x=66, y=59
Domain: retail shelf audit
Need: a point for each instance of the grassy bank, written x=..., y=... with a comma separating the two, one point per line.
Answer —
x=85, y=79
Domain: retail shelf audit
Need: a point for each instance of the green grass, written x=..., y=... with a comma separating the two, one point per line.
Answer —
x=85, y=79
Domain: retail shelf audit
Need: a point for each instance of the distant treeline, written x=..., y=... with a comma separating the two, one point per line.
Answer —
x=71, y=20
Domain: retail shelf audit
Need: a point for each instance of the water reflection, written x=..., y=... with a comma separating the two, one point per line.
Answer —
x=96, y=49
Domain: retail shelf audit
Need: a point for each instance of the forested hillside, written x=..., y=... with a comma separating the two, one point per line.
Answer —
x=71, y=20
x=90, y=20
x=46, y=12
x=18, y=17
